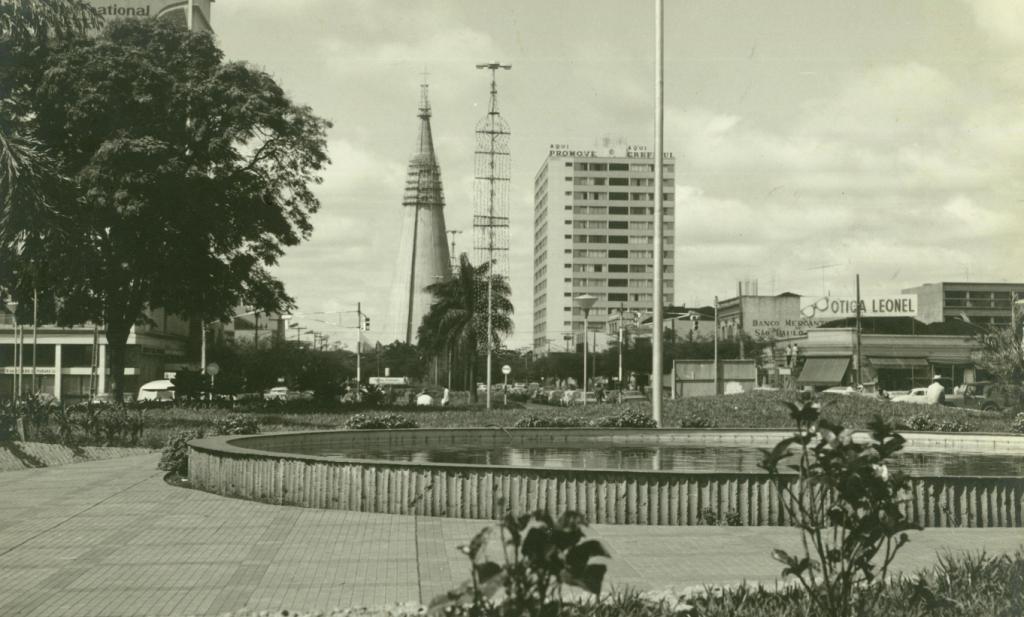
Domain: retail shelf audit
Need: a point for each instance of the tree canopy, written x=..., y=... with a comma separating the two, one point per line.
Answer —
x=191, y=176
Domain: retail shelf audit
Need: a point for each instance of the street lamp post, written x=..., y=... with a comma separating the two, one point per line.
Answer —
x=621, y=309
x=585, y=302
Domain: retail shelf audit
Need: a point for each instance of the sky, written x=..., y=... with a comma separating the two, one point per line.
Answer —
x=814, y=139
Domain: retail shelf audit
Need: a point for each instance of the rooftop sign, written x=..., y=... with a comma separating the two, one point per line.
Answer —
x=826, y=308
x=623, y=151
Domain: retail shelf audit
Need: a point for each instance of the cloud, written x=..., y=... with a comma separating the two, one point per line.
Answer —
x=1002, y=20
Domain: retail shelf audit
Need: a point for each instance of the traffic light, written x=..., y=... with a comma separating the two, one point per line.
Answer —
x=696, y=321
x=636, y=318
x=366, y=323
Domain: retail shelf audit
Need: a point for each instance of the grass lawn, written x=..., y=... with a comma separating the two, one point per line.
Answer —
x=750, y=410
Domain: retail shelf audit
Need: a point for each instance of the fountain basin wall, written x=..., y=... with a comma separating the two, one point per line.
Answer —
x=249, y=467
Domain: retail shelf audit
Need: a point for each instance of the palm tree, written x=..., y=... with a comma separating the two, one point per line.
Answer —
x=457, y=320
x=30, y=181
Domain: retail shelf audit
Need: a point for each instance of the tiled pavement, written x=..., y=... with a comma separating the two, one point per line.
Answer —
x=111, y=538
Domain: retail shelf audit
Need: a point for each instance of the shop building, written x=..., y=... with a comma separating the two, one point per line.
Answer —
x=895, y=354
x=70, y=363
x=594, y=234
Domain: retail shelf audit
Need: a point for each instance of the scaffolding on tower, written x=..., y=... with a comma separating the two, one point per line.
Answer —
x=492, y=167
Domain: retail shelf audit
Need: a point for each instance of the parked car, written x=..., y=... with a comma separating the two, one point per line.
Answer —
x=916, y=395
x=277, y=393
x=988, y=396
x=157, y=390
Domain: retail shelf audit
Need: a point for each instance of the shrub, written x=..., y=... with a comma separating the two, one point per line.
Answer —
x=236, y=424
x=1018, y=423
x=921, y=422
x=534, y=421
x=955, y=426
x=629, y=418
x=692, y=420
x=535, y=558
x=846, y=503
x=175, y=454
x=387, y=421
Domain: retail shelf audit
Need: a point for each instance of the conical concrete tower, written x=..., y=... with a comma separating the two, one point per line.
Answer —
x=423, y=251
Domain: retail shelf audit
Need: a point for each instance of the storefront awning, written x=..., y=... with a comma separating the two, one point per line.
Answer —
x=823, y=371
x=898, y=363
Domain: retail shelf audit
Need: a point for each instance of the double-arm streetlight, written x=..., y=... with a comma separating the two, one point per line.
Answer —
x=585, y=302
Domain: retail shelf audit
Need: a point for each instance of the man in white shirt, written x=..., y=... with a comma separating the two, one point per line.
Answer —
x=936, y=392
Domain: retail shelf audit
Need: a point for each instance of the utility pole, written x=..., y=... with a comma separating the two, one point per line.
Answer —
x=202, y=348
x=454, y=258
x=858, y=332
x=739, y=326
x=256, y=332
x=359, y=344
x=659, y=214
x=716, y=345
x=1013, y=317
x=35, y=338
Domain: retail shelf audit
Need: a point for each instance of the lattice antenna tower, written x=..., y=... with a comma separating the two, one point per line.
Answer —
x=492, y=169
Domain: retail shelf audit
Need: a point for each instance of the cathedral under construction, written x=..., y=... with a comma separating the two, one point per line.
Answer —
x=423, y=256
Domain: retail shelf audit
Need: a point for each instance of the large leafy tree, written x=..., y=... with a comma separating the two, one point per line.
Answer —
x=192, y=174
x=456, y=323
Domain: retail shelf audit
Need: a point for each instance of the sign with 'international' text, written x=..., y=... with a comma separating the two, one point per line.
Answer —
x=897, y=305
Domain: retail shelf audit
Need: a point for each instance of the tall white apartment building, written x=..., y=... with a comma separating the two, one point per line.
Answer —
x=593, y=223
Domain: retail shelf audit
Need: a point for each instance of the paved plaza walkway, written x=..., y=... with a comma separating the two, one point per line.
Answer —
x=111, y=538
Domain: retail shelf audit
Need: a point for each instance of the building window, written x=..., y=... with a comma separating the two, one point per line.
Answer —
x=619, y=224
x=618, y=181
x=617, y=297
x=618, y=210
x=618, y=254
x=618, y=196
x=618, y=239
x=618, y=268
x=618, y=167
x=618, y=282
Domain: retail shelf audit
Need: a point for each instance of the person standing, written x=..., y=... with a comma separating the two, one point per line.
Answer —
x=936, y=392
x=446, y=397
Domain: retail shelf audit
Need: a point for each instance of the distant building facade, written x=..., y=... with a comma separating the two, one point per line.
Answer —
x=981, y=303
x=594, y=234
x=69, y=363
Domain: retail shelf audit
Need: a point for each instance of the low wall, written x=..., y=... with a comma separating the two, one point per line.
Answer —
x=252, y=468
x=17, y=455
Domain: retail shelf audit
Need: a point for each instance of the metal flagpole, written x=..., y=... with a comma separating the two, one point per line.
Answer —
x=659, y=192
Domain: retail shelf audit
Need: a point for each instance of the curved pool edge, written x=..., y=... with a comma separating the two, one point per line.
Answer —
x=243, y=467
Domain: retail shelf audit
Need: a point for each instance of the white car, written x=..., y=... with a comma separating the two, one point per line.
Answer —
x=158, y=390
x=916, y=395
x=277, y=393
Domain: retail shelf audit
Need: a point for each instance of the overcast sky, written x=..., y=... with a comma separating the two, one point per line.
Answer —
x=874, y=137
